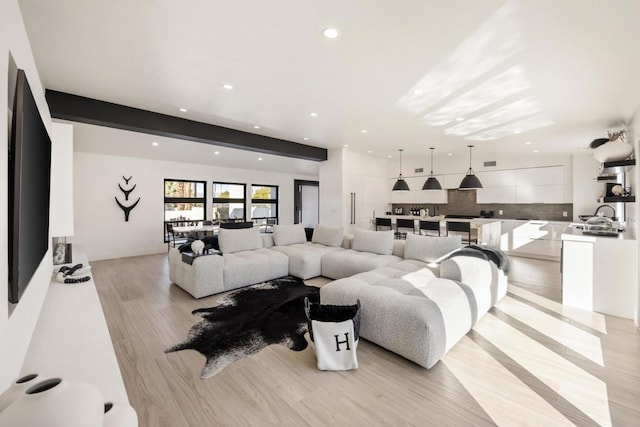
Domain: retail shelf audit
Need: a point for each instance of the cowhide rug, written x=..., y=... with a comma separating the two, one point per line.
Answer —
x=248, y=320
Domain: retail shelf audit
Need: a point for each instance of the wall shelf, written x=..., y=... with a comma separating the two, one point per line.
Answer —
x=619, y=199
x=618, y=166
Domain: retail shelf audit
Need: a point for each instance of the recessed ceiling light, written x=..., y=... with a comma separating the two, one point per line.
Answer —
x=313, y=114
x=515, y=132
x=184, y=110
x=155, y=144
x=459, y=119
x=260, y=158
x=346, y=145
x=417, y=92
x=369, y=152
x=216, y=153
x=305, y=138
x=449, y=154
x=389, y=156
x=256, y=127
x=330, y=33
x=536, y=151
x=527, y=143
x=227, y=86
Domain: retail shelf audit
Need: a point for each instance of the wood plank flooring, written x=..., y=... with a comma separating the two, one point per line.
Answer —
x=529, y=361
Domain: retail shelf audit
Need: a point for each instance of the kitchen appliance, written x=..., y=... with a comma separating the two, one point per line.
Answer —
x=600, y=226
x=597, y=213
x=398, y=211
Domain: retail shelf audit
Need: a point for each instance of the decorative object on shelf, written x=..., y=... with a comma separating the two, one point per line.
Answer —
x=616, y=148
x=56, y=403
x=197, y=246
x=470, y=181
x=118, y=414
x=432, y=182
x=401, y=184
x=61, y=251
x=614, y=189
x=75, y=274
x=17, y=389
x=127, y=209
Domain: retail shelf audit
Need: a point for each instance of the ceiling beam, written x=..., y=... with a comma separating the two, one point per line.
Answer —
x=76, y=108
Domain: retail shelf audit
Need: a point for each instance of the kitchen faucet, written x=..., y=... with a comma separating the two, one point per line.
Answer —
x=613, y=217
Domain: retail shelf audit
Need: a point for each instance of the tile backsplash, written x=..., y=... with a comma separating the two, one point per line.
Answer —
x=463, y=202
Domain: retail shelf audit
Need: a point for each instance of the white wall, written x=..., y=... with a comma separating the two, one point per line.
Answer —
x=62, y=180
x=99, y=222
x=331, y=196
x=586, y=189
x=16, y=330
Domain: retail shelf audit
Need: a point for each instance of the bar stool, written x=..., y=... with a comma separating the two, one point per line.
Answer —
x=383, y=222
x=429, y=226
x=407, y=224
x=461, y=227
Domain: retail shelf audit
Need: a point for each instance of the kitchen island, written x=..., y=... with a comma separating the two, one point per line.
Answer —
x=599, y=273
x=487, y=230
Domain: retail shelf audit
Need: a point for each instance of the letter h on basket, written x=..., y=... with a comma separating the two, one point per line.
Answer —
x=346, y=341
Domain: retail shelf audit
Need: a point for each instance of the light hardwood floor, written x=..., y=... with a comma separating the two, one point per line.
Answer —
x=529, y=361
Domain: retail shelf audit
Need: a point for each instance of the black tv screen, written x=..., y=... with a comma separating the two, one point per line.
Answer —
x=29, y=188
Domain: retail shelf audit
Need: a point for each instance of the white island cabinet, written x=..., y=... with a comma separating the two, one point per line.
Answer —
x=599, y=273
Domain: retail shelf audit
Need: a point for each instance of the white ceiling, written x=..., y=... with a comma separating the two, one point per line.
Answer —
x=576, y=61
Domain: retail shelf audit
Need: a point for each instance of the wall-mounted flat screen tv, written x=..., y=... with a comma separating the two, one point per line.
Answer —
x=29, y=189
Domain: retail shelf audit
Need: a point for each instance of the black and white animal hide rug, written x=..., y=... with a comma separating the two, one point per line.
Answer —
x=248, y=320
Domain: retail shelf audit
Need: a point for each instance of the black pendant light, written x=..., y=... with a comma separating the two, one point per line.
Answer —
x=401, y=184
x=432, y=182
x=470, y=181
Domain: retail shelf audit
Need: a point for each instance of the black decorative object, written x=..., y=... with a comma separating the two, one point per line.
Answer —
x=127, y=209
x=248, y=320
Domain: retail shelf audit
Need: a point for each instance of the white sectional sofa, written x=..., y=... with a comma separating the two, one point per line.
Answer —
x=419, y=297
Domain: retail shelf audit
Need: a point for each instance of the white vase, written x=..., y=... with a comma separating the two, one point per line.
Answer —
x=56, y=403
x=119, y=414
x=613, y=150
x=17, y=389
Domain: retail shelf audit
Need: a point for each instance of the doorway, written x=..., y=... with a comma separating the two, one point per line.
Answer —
x=306, y=207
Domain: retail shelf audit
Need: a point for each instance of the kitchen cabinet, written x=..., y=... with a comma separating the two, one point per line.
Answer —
x=599, y=273
x=532, y=239
x=416, y=194
x=452, y=181
x=540, y=194
x=496, y=194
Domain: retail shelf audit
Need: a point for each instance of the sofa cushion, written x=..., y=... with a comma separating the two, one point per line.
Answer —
x=305, y=259
x=330, y=236
x=339, y=264
x=377, y=242
x=244, y=239
x=248, y=267
x=288, y=234
x=429, y=248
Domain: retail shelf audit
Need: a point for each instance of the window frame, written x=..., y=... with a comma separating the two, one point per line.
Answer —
x=275, y=202
x=217, y=200
x=166, y=200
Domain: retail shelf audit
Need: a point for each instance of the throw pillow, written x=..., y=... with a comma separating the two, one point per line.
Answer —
x=378, y=242
x=284, y=235
x=428, y=248
x=330, y=236
x=236, y=240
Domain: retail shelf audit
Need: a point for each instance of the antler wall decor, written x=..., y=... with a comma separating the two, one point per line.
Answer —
x=127, y=209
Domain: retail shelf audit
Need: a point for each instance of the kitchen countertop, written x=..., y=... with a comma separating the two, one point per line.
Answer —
x=576, y=235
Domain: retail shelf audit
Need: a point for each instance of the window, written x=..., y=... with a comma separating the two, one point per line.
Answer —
x=264, y=204
x=184, y=202
x=229, y=201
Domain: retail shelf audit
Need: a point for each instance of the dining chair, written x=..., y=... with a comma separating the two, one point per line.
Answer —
x=430, y=227
x=461, y=227
x=172, y=238
x=404, y=224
